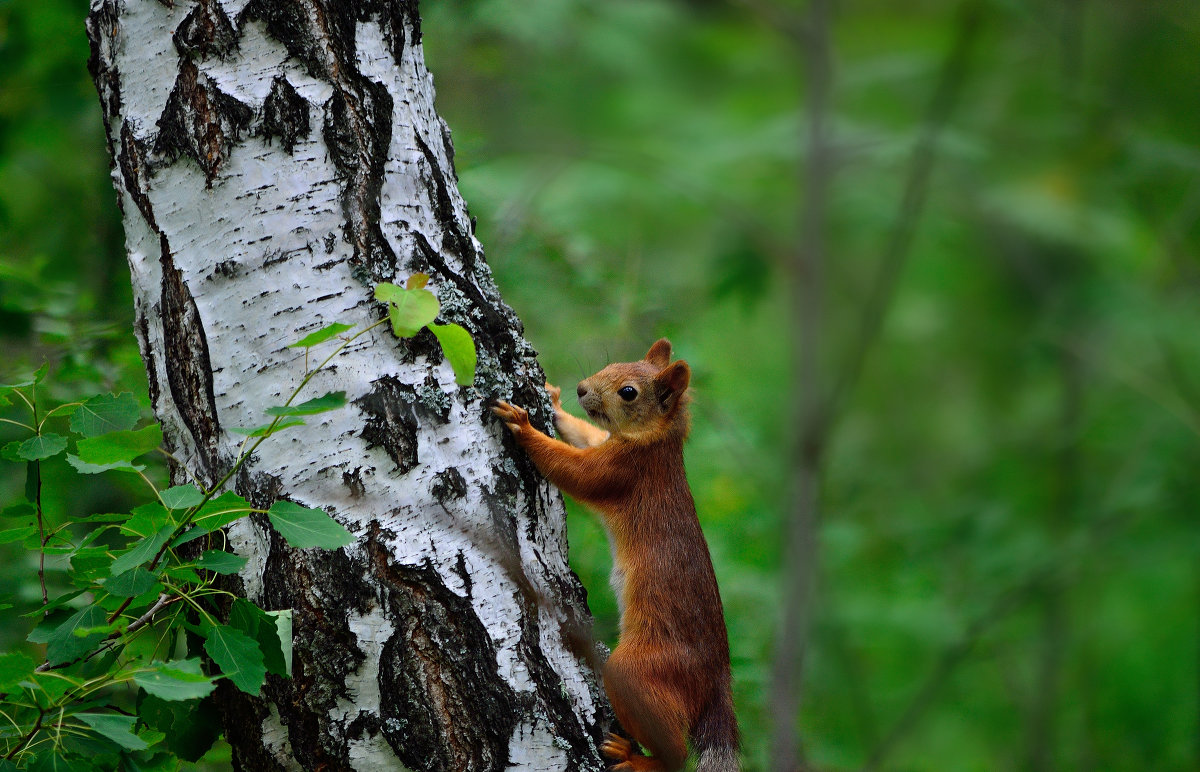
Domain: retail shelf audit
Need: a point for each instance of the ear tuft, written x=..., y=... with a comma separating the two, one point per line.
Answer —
x=671, y=383
x=660, y=353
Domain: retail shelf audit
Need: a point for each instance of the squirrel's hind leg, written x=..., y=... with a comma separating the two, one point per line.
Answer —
x=652, y=714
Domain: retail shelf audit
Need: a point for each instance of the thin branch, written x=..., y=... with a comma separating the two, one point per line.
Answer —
x=883, y=289
x=808, y=295
x=164, y=600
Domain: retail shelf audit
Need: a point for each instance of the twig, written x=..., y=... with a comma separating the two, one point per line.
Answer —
x=883, y=288
x=164, y=600
x=25, y=740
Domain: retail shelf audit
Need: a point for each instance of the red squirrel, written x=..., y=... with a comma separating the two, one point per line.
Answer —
x=668, y=678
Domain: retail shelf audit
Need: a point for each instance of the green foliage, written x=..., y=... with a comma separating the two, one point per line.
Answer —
x=412, y=307
x=139, y=590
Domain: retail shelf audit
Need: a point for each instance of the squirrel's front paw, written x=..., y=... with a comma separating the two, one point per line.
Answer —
x=515, y=418
x=555, y=396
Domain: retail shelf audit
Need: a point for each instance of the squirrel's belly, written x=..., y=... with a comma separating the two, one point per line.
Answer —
x=616, y=579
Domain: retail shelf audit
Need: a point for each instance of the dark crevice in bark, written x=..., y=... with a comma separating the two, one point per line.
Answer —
x=445, y=706
x=132, y=163
x=206, y=31
x=189, y=370
x=199, y=121
x=285, y=115
x=322, y=588
x=390, y=421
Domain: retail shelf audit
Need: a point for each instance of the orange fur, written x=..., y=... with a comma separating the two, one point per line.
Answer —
x=668, y=678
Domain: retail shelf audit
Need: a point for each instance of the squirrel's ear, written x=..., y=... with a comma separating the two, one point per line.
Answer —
x=671, y=383
x=660, y=353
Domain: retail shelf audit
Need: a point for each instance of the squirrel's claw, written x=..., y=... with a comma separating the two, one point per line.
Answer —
x=555, y=395
x=515, y=418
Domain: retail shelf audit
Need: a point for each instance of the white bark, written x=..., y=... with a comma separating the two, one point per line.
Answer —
x=274, y=160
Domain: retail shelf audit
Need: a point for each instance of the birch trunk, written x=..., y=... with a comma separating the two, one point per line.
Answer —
x=274, y=159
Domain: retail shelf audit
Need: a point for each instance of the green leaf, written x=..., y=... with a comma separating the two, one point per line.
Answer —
x=385, y=292
x=181, y=497
x=459, y=349
x=304, y=527
x=283, y=629
x=221, y=562
x=321, y=335
x=64, y=645
x=330, y=401
x=131, y=583
x=147, y=519
x=179, y=679
x=264, y=629
x=16, y=534
x=222, y=511
x=106, y=413
x=142, y=551
x=408, y=309
x=83, y=467
x=119, y=446
x=237, y=655
x=416, y=281
x=115, y=727
x=15, y=667
x=42, y=446
x=58, y=602
x=266, y=430
x=19, y=509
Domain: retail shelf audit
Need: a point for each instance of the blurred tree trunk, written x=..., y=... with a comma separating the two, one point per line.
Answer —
x=274, y=160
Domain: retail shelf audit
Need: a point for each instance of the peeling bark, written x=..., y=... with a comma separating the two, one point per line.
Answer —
x=274, y=159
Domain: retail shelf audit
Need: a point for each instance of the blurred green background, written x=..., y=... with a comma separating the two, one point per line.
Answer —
x=1008, y=546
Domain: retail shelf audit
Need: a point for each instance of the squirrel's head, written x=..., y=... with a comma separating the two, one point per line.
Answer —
x=643, y=398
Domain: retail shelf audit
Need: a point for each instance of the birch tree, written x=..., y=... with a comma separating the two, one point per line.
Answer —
x=274, y=161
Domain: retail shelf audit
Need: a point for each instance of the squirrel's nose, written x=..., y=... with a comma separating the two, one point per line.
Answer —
x=582, y=390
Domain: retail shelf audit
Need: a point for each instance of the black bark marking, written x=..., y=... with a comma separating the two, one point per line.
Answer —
x=448, y=485
x=206, y=31
x=433, y=404
x=443, y=210
x=358, y=131
x=133, y=167
x=189, y=370
x=390, y=422
x=199, y=121
x=460, y=568
x=354, y=482
x=358, y=116
x=285, y=115
x=103, y=24
x=445, y=706
x=143, y=338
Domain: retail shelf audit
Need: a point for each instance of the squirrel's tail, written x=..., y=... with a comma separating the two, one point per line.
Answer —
x=715, y=737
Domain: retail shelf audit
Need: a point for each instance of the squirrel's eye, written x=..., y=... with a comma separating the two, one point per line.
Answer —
x=627, y=393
